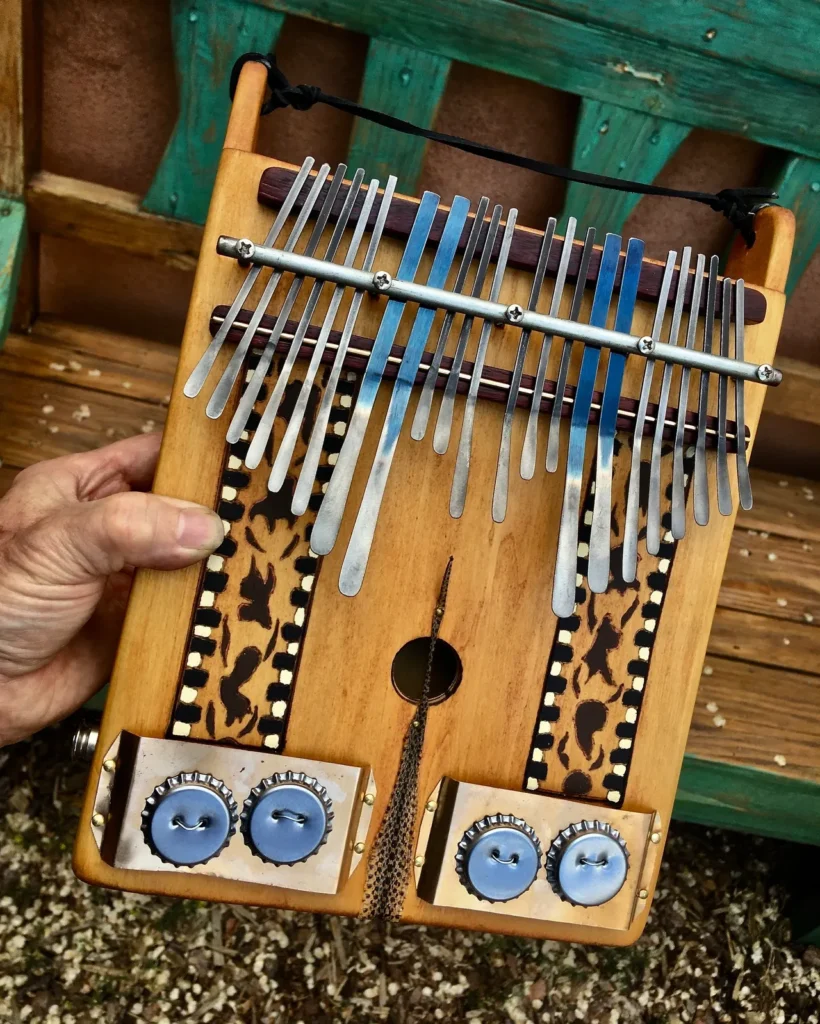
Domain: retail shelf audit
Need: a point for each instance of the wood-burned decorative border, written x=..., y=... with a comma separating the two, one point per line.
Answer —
x=600, y=659
x=253, y=601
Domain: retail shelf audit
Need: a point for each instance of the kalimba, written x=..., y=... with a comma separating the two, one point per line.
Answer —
x=478, y=484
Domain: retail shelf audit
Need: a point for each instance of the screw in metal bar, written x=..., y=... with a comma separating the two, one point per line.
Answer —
x=646, y=345
x=245, y=249
x=766, y=373
x=514, y=313
x=382, y=280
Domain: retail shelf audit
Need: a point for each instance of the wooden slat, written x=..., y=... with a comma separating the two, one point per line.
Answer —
x=782, y=506
x=12, y=246
x=207, y=40
x=798, y=186
x=406, y=83
x=83, y=211
x=594, y=61
x=761, y=640
x=620, y=143
x=12, y=169
x=796, y=397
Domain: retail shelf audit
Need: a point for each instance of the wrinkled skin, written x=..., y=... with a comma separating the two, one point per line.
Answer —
x=72, y=530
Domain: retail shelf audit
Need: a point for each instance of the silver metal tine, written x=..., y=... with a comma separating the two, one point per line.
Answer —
x=422, y=416
x=653, y=511
x=307, y=476
x=554, y=440
x=530, y=448
x=200, y=372
x=601, y=527
x=361, y=540
x=744, y=484
x=222, y=391
x=329, y=518
x=700, y=482
x=458, y=491
x=286, y=448
x=262, y=434
x=566, y=561
x=630, y=546
x=444, y=422
x=254, y=385
x=502, y=473
x=678, y=482
x=724, y=490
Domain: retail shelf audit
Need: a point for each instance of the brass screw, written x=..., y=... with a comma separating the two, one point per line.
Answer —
x=418, y=862
x=655, y=837
x=97, y=819
x=358, y=848
x=643, y=894
x=431, y=806
x=369, y=799
x=109, y=765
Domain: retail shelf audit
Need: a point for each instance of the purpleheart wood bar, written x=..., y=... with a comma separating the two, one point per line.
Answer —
x=276, y=182
x=355, y=361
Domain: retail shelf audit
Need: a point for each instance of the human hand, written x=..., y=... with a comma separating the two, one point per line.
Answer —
x=71, y=531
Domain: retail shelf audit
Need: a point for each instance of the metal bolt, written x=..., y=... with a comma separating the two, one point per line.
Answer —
x=84, y=742
x=418, y=862
x=245, y=249
x=97, y=819
x=710, y=34
x=431, y=806
x=765, y=373
x=514, y=313
x=382, y=280
x=655, y=837
x=358, y=848
x=646, y=345
x=109, y=765
x=643, y=894
x=369, y=799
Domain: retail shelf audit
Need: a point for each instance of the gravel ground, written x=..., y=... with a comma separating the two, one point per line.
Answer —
x=716, y=948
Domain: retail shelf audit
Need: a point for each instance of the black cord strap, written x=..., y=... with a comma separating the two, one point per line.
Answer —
x=738, y=205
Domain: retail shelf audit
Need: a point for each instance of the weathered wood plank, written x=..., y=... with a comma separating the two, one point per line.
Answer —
x=621, y=143
x=406, y=83
x=782, y=506
x=12, y=169
x=594, y=61
x=208, y=37
x=760, y=640
x=796, y=397
x=81, y=210
x=798, y=185
x=12, y=245
x=774, y=35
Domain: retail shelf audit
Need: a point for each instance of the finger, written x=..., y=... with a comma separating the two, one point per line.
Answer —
x=85, y=476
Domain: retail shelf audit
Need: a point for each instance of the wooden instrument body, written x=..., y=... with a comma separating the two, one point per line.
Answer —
x=343, y=706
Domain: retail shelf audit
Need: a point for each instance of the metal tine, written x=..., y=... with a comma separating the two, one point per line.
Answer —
x=653, y=511
x=744, y=484
x=222, y=391
x=361, y=540
x=259, y=441
x=629, y=552
x=700, y=483
x=724, y=490
x=444, y=422
x=458, y=491
x=502, y=473
x=530, y=448
x=200, y=372
x=422, y=416
x=310, y=465
x=554, y=440
x=254, y=386
x=601, y=527
x=566, y=561
x=329, y=518
x=678, y=482
x=285, y=452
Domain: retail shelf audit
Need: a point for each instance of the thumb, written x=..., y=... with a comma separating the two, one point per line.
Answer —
x=91, y=540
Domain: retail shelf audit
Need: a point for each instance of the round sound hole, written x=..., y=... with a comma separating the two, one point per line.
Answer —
x=410, y=666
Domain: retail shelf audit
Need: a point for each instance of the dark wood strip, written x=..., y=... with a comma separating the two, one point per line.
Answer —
x=276, y=181
x=358, y=362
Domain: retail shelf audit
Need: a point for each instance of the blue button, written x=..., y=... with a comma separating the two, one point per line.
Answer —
x=501, y=864
x=190, y=824
x=592, y=868
x=288, y=823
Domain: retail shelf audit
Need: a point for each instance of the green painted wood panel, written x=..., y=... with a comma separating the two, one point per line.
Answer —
x=406, y=83
x=775, y=35
x=798, y=185
x=208, y=37
x=594, y=61
x=622, y=144
x=12, y=245
x=748, y=800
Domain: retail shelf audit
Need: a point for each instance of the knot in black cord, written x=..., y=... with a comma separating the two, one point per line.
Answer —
x=739, y=206
x=282, y=93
